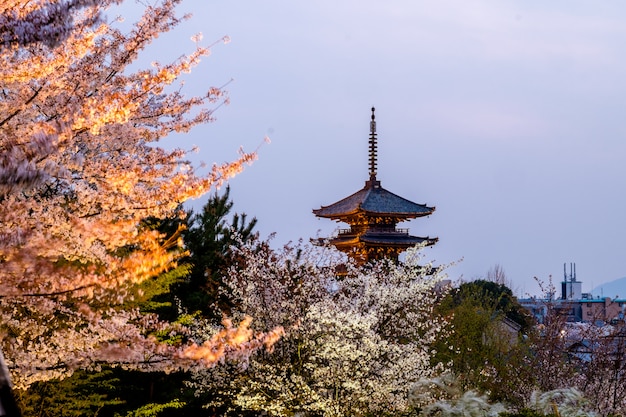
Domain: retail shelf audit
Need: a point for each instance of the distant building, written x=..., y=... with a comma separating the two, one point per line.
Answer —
x=373, y=213
x=504, y=334
x=602, y=310
x=537, y=307
x=570, y=288
x=576, y=306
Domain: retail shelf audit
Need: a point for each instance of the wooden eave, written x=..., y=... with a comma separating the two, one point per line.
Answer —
x=386, y=241
x=374, y=201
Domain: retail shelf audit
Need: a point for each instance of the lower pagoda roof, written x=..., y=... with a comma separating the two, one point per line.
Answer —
x=374, y=200
x=396, y=237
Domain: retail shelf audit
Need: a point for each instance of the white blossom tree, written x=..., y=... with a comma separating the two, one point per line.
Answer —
x=80, y=168
x=353, y=345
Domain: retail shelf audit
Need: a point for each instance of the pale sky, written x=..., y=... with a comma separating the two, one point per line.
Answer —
x=508, y=116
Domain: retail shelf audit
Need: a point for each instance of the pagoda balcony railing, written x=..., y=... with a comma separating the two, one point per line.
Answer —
x=377, y=230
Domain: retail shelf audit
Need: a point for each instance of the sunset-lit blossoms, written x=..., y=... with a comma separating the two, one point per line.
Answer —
x=80, y=169
x=27, y=22
x=39, y=349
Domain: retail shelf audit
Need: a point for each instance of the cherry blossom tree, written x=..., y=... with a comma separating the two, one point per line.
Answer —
x=353, y=344
x=50, y=22
x=80, y=168
x=604, y=368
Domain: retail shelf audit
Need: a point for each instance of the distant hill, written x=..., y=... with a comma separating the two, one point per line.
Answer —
x=612, y=289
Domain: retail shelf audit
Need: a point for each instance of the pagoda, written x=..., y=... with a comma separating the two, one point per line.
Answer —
x=373, y=214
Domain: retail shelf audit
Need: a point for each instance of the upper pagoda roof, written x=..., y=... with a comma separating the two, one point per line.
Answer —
x=374, y=200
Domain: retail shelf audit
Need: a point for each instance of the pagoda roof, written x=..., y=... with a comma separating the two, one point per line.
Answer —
x=374, y=200
x=384, y=239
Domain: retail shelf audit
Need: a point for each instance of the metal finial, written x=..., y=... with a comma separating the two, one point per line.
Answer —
x=373, y=147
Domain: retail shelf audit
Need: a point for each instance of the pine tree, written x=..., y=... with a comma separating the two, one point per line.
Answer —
x=210, y=239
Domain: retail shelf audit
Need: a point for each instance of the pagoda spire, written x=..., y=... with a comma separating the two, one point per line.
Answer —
x=373, y=213
x=373, y=148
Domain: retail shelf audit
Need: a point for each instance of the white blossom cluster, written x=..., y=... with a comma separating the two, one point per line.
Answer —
x=38, y=348
x=353, y=344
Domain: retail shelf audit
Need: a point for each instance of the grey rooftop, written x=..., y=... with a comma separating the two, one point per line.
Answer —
x=373, y=199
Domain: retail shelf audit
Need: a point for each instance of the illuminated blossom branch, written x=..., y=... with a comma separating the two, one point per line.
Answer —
x=88, y=339
x=80, y=168
x=50, y=22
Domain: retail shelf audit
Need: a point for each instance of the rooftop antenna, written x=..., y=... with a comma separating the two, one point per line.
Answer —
x=373, y=147
x=572, y=272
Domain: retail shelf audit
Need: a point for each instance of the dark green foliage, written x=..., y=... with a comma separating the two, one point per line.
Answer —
x=83, y=394
x=494, y=296
x=153, y=295
x=153, y=409
x=209, y=238
x=111, y=393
